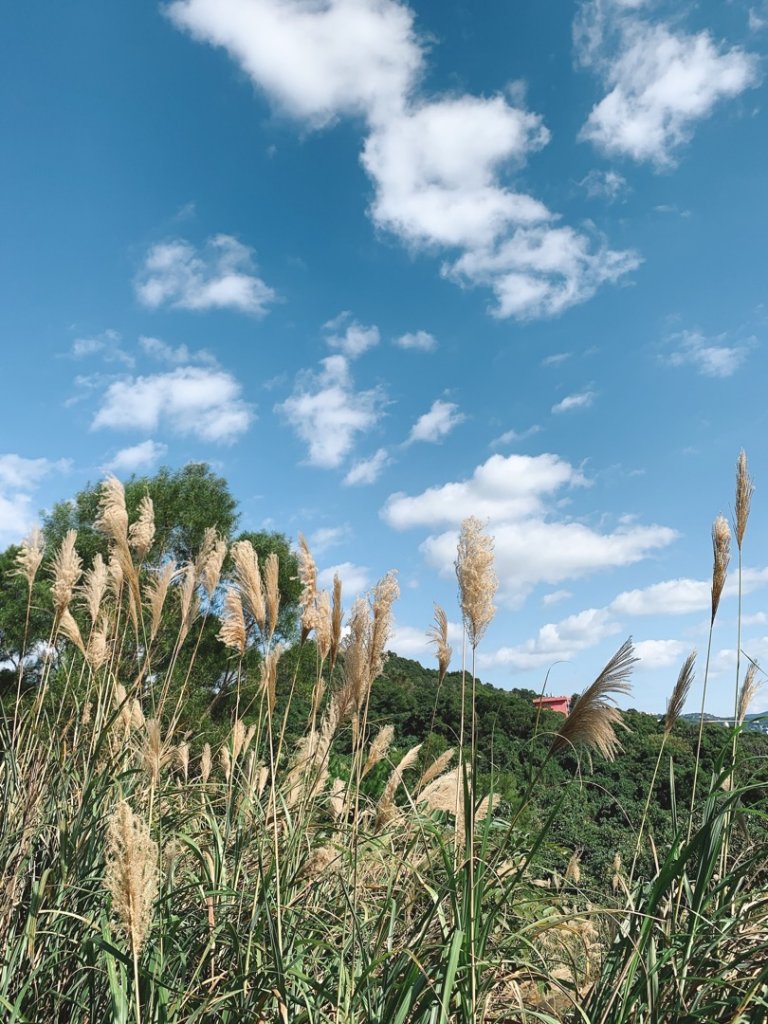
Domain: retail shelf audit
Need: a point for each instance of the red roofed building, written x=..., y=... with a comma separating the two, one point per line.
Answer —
x=561, y=704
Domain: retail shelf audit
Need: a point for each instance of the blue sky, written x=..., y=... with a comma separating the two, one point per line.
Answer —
x=387, y=265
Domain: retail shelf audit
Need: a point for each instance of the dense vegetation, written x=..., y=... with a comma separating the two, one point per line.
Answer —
x=220, y=799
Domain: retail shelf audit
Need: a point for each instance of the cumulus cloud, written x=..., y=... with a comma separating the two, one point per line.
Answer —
x=436, y=424
x=422, y=341
x=368, y=471
x=440, y=167
x=560, y=641
x=518, y=496
x=221, y=276
x=355, y=579
x=19, y=479
x=660, y=653
x=137, y=456
x=190, y=401
x=356, y=337
x=711, y=357
x=328, y=414
x=502, y=488
x=319, y=60
x=582, y=400
x=660, y=80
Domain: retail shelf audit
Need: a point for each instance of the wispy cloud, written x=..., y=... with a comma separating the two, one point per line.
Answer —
x=19, y=479
x=511, y=436
x=220, y=276
x=175, y=355
x=582, y=400
x=368, y=471
x=711, y=357
x=437, y=423
x=607, y=185
x=190, y=401
x=328, y=414
x=107, y=346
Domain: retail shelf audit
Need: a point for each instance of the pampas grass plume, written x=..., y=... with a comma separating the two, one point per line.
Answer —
x=744, y=491
x=477, y=578
x=142, y=532
x=438, y=635
x=131, y=875
x=30, y=555
x=679, y=694
x=721, y=550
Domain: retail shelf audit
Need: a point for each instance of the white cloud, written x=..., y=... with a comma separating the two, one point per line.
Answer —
x=440, y=166
x=180, y=355
x=607, y=185
x=367, y=471
x=683, y=596
x=557, y=641
x=327, y=537
x=356, y=338
x=542, y=271
x=423, y=341
x=556, y=359
x=655, y=654
x=536, y=551
x=328, y=414
x=412, y=642
x=355, y=579
x=318, y=60
x=19, y=478
x=436, y=424
x=502, y=488
x=222, y=276
x=710, y=356
x=510, y=436
x=555, y=596
x=512, y=494
x=190, y=401
x=137, y=456
x=660, y=80
x=582, y=400
x=107, y=345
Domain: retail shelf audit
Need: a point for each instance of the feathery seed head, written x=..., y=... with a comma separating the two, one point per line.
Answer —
x=308, y=577
x=593, y=720
x=324, y=625
x=237, y=738
x=749, y=688
x=437, y=768
x=477, y=578
x=226, y=762
x=249, y=580
x=66, y=569
x=142, y=532
x=268, y=677
x=182, y=759
x=155, y=593
x=721, y=549
x=190, y=603
x=131, y=875
x=215, y=551
x=232, y=633
x=385, y=809
x=744, y=491
x=30, y=555
x=573, y=871
x=94, y=586
x=679, y=694
x=113, y=517
x=206, y=763
x=438, y=635
x=385, y=593
x=71, y=630
x=379, y=748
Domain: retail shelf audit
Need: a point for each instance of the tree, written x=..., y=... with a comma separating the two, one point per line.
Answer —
x=18, y=632
x=187, y=501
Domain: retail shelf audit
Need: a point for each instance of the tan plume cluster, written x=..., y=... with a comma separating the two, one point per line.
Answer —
x=379, y=748
x=237, y=738
x=435, y=769
x=66, y=568
x=210, y=561
x=268, y=676
x=206, y=763
x=94, y=586
x=337, y=618
x=324, y=625
x=385, y=593
x=386, y=809
x=477, y=578
x=573, y=870
x=182, y=759
x=438, y=635
x=156, y=753
x=70, y=629
x=30, y=555
x=233, y=633
x=98, y=644
x=112, y=519
x=617, y=878
x=594, y=718
x=156, y=592
x=747, y=693
x=308, y=577
x=721, y=549
x=131, y=875
x=190, y=602
x=248, y=580
x=444, y=792
x=679, y=694
x=744, y=491
x=142, y=533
